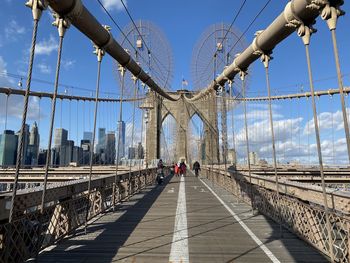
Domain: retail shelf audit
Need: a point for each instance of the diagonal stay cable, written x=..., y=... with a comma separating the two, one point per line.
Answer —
x=251, y=23
x=140, y=35
x=226, y=33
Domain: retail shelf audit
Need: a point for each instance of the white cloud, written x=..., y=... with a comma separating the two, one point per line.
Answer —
x=15, y=107
x=68, y=63
x=260, y=132
x=13, y=30
x=4, y=79
x=44, y=68
x=114, y=4
x=260, y=114
x=46, y=46
x=326, y=120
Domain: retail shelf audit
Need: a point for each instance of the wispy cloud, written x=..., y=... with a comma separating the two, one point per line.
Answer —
x=44, y=68
x=4, y=79
x=46, y=46
x=326, y=120
x=68, y=63
x=12, y=33
x=15, y=107
x=113, y=4
x=13, y=30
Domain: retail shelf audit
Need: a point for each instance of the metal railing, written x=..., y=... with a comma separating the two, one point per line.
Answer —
x=68, y=207
x=307, y=219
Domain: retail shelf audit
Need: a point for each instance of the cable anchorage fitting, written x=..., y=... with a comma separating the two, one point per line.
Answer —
x=37, y=6
x=62, y=24
x=100, y=51
x=305, y=32
x=331, y=13
x=265, y=56
x=121, y=70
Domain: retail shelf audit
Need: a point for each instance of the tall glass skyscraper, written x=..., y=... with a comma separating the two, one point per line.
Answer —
x=101, y=143
x=60, y=137
x=25, y=159
x=110, y=148
x=33, y=146
x=8, y=148
x=87, y=136
x=120, y=145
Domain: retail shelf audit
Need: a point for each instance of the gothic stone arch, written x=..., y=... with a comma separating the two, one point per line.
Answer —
x=182, y=111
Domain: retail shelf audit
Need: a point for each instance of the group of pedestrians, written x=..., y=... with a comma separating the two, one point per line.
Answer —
x=180, y=168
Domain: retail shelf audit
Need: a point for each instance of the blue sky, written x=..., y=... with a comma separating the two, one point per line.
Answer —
x=182, y=22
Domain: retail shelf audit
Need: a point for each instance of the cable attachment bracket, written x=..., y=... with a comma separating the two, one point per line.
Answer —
x=37, y=6
x=330, y=14
x=62, y=24
x=305, y=32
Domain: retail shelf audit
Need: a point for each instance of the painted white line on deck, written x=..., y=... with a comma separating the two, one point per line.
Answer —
x=245, y=227
x=179, y=246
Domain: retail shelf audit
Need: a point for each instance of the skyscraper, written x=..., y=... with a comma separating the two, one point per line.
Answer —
x=110, y=148
x=25, y=159
x=60, y=145
x=33, y=146
x=87, y=136
x=120, y=144
x=8, y=148
x=85, y=145
x=66, y=153
x=131, y=153
x=60, y=137
x=140, y=151
x=101, y=143
x=253, y=158
x=77, y=155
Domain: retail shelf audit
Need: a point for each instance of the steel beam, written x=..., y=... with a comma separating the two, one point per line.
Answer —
x=11, y=91
x=86, y=23
x=295, y=13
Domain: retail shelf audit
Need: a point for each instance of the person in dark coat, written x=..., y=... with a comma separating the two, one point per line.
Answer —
x=196, y=168
x=183, y=168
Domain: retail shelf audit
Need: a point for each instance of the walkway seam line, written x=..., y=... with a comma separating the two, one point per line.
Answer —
x=179, y=246
x=244, y=226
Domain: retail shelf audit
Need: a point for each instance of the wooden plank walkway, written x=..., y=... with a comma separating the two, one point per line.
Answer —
x=142, y=230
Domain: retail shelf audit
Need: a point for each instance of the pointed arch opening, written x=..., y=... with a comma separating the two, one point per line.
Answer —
x=168, y=138
x=196, y=140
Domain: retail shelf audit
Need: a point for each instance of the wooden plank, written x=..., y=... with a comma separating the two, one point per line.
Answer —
x=141, y=230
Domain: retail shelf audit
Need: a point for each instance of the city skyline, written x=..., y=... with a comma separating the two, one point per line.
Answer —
x=63, y=151
x=290, y=119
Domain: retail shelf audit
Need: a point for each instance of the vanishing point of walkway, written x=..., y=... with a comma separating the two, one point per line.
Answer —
x=185, y=220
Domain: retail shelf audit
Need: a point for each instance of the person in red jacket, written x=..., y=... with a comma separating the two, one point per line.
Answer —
x=177, y=169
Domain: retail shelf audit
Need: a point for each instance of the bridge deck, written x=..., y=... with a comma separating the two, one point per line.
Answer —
x=144, y=230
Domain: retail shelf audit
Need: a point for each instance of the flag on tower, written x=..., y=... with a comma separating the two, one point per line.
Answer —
x=184, y=82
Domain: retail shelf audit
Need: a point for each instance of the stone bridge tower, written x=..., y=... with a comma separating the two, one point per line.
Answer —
x=182, y=111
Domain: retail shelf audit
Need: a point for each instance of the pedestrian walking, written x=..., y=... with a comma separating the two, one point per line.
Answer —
x=196, y=167
x=183, y=168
